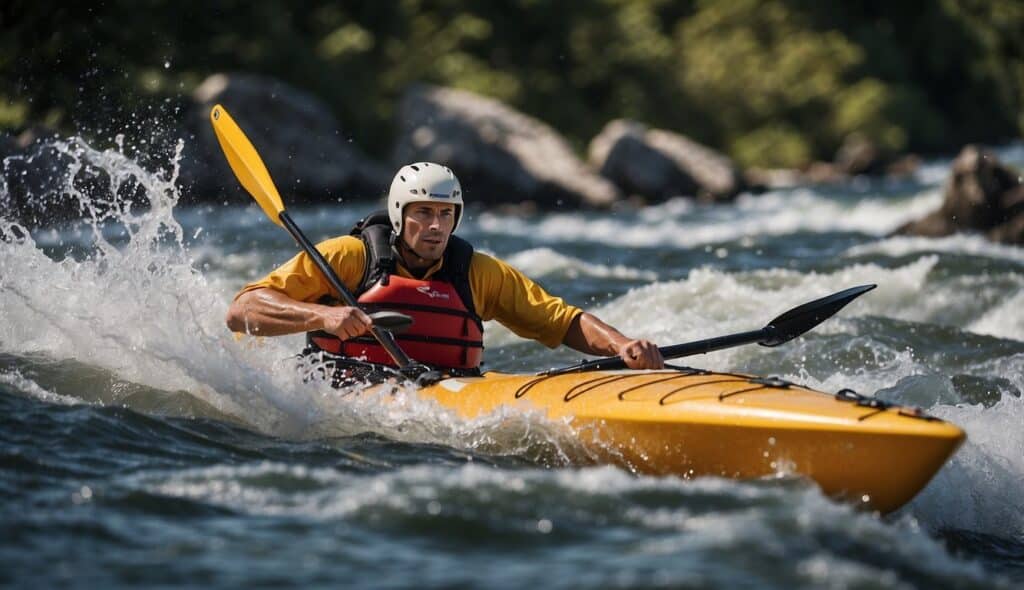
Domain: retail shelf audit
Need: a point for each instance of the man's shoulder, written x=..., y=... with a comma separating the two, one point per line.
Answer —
x=490, y=264
x=343, y=244
x=482, y=259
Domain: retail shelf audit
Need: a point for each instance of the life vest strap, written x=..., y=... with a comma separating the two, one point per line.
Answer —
x=423, y=338
x=372, y=307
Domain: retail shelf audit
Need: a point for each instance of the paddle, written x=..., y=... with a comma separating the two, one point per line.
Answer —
x=782, y=329
x=248, y=167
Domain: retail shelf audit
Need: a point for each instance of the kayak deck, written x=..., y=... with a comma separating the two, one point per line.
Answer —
x=694, y=423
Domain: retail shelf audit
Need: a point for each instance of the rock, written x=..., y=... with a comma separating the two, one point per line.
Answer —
x=903, y=167
x=658, y=164
x=824, y=173
x=981, y=195
x=299, y=140
x=34, y=135
x=500, y=155
x=762, y=179
x=859, y=155
x=35, y=178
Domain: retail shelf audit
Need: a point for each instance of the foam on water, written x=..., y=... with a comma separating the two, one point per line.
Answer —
x=1006, y=320
x=140, y=310
x=710, y=302
x=19, y=382
x=979, y=490
x=964, y=244
x=540, y=262
x=774, y=213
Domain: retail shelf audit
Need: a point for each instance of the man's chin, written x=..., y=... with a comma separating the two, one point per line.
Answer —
x=430, y=254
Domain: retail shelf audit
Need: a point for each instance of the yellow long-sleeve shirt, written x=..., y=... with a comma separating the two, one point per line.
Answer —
x=500, y=292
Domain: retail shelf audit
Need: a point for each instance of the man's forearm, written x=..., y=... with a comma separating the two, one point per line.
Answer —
x=265, y=312
x=590, y=335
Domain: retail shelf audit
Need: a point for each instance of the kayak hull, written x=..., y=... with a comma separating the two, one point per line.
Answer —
x=694, y=423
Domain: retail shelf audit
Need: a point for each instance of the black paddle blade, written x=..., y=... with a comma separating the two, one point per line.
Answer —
x=392, y=321
x=804, y=317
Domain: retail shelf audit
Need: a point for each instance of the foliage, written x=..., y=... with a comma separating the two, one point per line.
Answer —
x=773, y=83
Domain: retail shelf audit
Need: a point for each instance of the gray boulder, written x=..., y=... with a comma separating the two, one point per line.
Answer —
x=859, y=155
x=501, y=156
x=658, y=164
x=982, y=195
x=302, y=144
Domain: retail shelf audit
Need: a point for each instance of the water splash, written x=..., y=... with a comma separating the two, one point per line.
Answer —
x=136, y=305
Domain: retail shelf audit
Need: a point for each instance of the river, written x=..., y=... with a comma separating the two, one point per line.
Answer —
x=143, y=445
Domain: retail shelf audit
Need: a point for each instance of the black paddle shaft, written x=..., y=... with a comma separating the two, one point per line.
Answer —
x=383, y=336
x=782, y=329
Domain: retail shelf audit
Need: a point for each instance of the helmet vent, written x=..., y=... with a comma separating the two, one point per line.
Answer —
x=414, y=167
x=403, y=178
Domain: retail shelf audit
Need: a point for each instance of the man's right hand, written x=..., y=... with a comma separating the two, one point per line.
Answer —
x=345, y=322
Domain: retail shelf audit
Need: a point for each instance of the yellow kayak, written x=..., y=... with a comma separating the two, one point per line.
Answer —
x=693, y=423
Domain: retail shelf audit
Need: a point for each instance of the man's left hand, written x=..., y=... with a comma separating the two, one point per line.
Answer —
x=641, y=354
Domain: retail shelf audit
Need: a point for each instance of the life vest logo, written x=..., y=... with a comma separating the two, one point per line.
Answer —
x=426, y=290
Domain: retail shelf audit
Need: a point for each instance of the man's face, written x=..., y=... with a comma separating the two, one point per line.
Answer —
x=426, y=228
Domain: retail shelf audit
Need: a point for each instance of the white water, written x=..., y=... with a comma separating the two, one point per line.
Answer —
x=680, y=224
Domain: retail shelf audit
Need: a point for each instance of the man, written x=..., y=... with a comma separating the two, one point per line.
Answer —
x=409, y=261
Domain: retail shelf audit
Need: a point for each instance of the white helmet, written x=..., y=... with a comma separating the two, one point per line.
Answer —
x=423, y=181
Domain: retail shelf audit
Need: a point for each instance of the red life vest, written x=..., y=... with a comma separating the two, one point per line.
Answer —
x=446, y=332
x=443, y=333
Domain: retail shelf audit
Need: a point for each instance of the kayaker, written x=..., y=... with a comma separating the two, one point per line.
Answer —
x=406, y=259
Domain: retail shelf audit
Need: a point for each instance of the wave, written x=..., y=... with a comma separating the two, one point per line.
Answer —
x=965, y=244
x=1004, y=320
x=682, y=225
x=979, y=490
x=741, y=526
x=541, y=262
x=14, y=379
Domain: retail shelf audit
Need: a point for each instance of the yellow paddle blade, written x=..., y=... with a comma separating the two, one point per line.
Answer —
x=245, y=162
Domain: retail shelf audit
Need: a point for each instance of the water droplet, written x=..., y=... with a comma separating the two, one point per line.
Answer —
x=167, y=65
x=544, y=526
